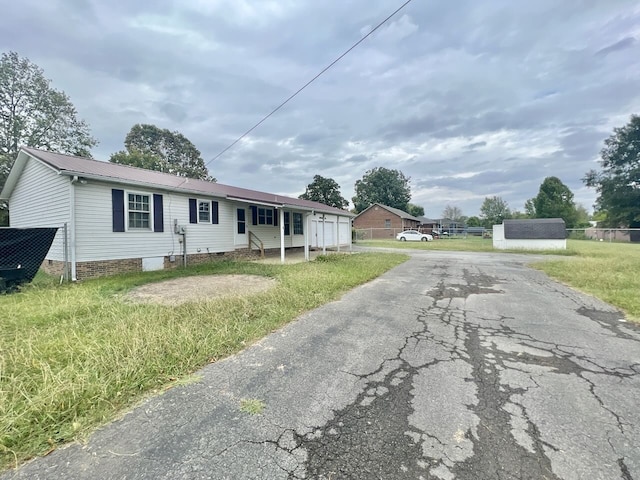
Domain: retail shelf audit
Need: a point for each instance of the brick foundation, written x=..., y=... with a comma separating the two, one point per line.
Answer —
x=103, y=268
x=53, y=267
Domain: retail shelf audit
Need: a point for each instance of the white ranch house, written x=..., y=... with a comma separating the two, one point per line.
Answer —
x=122, y=218
x=531, y=234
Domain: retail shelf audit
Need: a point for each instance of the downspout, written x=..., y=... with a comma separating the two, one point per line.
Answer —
x=324, y=245
x=72, y=229
x=338, y=232
x=307, y=216
x=281, y=215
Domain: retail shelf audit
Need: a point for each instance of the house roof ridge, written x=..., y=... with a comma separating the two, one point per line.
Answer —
x=164, y=180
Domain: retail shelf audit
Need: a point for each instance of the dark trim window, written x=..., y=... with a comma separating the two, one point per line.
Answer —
x=242, y=224
x=139, y=210
x=387, y=223
x=265, y=216
x=287, y=223
x=204, y=211
x=297, y=224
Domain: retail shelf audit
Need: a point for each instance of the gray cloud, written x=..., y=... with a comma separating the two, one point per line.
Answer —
x=469, y=99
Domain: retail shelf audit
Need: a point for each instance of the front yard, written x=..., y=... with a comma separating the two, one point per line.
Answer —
x=74, y=356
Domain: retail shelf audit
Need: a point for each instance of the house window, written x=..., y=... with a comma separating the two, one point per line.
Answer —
x=139, y=211
x=287, y=223
x=297, y=224
x=242, y=224
x=265, y=216
x=387, y=223
x=204, y=212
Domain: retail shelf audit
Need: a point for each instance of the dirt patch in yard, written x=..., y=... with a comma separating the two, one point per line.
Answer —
x=199, y=288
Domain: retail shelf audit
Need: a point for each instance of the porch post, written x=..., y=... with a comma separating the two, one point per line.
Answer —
x=338, y=232
x=281, y=214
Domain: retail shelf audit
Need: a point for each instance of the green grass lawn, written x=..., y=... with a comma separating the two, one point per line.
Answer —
x=609, y=271
x=74, y=356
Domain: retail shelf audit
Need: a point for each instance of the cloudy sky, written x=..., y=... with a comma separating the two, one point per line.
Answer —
x=470, y=99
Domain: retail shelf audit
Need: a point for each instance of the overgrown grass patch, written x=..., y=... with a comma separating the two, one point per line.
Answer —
x=73, y=356
x=608, y=271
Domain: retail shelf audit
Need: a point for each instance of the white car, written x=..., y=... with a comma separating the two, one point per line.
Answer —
x=414, y=236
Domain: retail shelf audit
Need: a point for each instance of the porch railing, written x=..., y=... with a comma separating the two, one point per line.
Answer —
x=254, y=240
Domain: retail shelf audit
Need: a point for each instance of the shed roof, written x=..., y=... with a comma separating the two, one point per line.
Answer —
x=124, y=174
x=535, y=229
x=396, y=211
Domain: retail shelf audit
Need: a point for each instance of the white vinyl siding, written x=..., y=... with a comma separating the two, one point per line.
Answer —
x=96, y=240
x=40, y=189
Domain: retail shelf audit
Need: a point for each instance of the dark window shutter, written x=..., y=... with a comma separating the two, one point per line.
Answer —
x=275, y=217
x=214, y=212
x=287, y=223
x=117, y=206
x=193, y=210
x=158, y=213
x=254, y=215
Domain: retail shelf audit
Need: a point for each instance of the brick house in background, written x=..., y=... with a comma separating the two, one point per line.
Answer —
x=384, y=222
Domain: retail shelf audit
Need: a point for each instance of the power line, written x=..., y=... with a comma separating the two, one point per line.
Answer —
x=309, y=82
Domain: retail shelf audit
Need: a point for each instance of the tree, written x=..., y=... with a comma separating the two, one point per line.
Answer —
x=325, y=190
x=453, y=213
x=474, y=222
x=415, y=210
x=518, y=215
x=493, y=211
x=33, y=114
x=530, y=208
x=618, y=184
x=382, y=185
x=583, y=217
x=555, y=200
x=148, y=146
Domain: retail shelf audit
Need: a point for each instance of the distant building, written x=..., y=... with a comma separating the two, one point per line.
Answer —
x=531, y=234
x=383, y=221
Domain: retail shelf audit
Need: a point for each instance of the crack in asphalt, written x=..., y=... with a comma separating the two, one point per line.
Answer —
x=373, y=438
x=494, y=431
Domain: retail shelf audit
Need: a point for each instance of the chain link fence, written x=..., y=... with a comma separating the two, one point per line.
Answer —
x=361, y=234
x=605, y=234
x=25, y=251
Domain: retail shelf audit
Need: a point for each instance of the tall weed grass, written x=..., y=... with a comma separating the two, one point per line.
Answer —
x=74, y=356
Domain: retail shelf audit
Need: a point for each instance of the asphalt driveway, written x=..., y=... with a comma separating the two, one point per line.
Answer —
x=450, y=366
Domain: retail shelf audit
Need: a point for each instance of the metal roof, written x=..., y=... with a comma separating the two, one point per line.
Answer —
x=535, y=229
x=112, y=172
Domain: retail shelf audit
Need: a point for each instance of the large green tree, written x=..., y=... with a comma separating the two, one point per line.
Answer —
x=147, y=146
x=555, y=200
x=325, y=190
x=34, y=114
x=415, y=210
x=382, y=185
x=618, y=184
x=493, y=211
